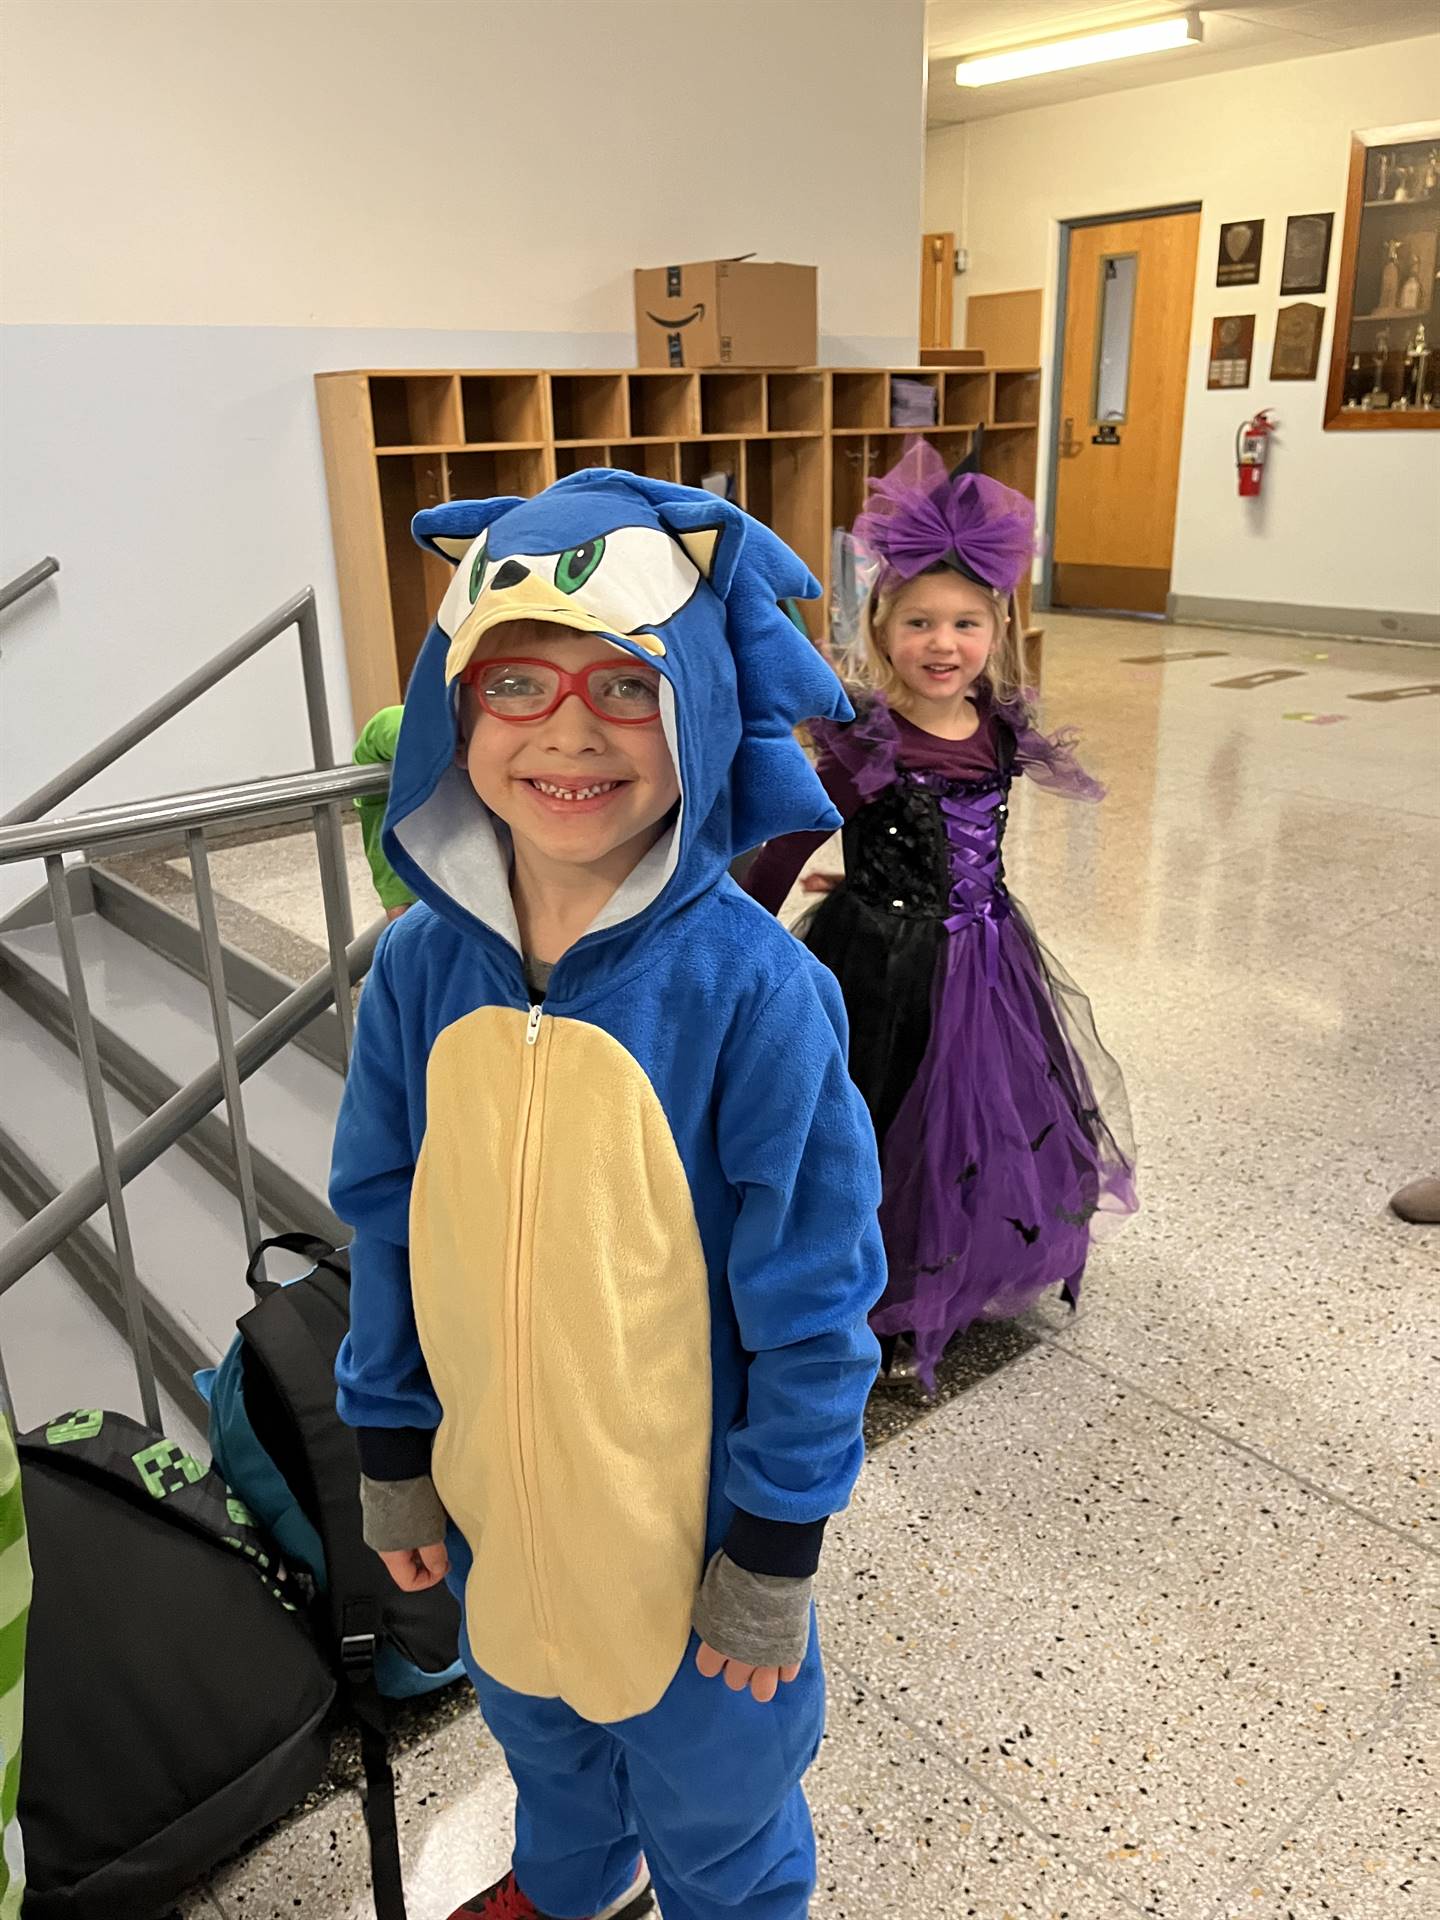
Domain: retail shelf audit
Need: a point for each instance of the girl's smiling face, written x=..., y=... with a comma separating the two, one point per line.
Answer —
x=938, y=635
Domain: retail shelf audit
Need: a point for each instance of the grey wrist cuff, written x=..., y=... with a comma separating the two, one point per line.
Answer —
x=400, y=1514
x=762, y=1619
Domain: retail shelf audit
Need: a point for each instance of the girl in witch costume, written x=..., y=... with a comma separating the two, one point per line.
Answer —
x=1003, y=1123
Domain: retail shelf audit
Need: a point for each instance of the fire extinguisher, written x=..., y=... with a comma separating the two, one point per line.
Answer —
x=1250, y=445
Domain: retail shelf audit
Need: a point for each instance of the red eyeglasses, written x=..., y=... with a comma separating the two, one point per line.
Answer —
x=621, y=692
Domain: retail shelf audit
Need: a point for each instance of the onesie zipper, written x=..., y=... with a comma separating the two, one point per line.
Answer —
x=519, y=1287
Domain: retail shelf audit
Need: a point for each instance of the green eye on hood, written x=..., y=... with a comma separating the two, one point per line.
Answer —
x=477, y=572
x=576, y=565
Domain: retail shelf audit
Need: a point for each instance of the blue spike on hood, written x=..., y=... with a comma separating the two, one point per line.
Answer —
x=684, y=580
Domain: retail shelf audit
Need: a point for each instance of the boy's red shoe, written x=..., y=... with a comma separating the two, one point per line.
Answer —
x=505, y=1901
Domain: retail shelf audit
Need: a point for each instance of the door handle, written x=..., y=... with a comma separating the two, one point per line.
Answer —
x=1069, y=445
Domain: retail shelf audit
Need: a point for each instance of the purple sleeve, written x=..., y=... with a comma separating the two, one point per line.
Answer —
x=777, y=866
x=1049, y=759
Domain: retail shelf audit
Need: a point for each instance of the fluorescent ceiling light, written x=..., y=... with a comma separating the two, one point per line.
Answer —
x=1084, y=50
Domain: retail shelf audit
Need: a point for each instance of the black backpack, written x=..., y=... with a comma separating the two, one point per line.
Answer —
x=176, y=1696
x=278, y=1441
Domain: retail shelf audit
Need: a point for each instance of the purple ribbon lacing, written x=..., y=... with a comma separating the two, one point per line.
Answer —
x=977, y=893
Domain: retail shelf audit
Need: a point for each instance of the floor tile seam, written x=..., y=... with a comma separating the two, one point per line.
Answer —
x=1375, y=806
x=1384, y=1723
x=985, y=1788
x=1055, y=1342
x=1340, y=929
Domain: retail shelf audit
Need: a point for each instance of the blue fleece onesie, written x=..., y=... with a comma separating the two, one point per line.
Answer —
x=613, y=1256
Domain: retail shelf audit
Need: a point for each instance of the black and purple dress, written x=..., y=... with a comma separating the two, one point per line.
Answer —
x=1003, y=1123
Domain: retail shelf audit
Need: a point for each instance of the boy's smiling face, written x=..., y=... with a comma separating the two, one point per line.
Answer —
x=575, y=790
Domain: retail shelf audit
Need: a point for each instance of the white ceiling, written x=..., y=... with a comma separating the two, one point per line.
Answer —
x=1248, y=33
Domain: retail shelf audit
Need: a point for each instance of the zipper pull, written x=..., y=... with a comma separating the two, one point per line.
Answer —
x=532, y=1026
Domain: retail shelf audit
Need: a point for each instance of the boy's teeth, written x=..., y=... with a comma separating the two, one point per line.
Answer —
x=575, y=793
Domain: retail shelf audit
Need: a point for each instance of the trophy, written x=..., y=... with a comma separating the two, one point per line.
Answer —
x=1379, y=394
x=1389, y=279
x=1417, y=370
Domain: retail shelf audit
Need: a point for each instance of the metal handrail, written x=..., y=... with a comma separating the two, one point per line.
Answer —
x=44, y=1231
x=252, y=803
x=298, y=612
x=249, y=803
x=24, y=835
x=27, y=582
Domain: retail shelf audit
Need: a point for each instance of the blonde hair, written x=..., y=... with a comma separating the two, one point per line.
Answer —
x=1003, y=675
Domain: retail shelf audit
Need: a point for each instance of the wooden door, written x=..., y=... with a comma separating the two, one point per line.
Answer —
x=1122, y=406
x=937, y=291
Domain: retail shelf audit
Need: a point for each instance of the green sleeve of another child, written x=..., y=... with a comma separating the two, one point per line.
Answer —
x=14, y=1608
x=376, y=747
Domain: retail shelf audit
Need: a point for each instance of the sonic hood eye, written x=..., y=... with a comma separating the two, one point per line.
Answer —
x=627, y=579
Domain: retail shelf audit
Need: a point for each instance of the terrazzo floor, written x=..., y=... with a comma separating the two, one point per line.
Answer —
x=1142, y=1616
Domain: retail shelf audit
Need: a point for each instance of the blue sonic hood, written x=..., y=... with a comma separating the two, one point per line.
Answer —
x=673, y=575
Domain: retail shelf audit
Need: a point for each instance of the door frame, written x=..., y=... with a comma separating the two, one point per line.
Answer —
x=1057, y=377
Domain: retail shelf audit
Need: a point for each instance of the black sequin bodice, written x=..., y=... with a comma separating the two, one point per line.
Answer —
x=928, y=848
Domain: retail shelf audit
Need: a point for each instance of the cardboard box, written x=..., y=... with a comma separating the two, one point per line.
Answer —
x=726, y=313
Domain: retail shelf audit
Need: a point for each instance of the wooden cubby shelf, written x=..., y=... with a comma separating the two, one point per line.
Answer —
x=793, y=446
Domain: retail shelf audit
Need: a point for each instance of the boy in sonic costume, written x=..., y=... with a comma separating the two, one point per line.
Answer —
x=613, y=1194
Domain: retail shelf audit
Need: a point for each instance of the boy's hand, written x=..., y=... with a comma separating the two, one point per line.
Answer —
x=394, y=913
x=822, y=882
x=763, y=1682
x=417, y=1569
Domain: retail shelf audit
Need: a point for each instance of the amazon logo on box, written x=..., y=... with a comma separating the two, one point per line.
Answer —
x=726, y=313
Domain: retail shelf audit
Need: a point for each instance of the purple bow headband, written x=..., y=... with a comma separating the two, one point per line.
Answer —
x=916, y=517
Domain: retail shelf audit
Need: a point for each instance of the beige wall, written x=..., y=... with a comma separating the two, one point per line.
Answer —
x=1347, y=520
x=450, y=163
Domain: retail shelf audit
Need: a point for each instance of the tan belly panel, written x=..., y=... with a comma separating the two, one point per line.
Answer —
x=563, y=1307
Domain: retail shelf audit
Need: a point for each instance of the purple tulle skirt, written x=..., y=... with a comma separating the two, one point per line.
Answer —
x=1010, y=1150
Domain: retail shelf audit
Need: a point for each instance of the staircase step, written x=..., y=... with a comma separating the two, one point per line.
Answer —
x=61, y=1352
x=185, y=1226
x=155, y=1029
x=172, y=932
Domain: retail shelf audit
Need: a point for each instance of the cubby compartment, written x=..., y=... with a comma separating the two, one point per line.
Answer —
x=966, y=400
x=701, y=460
x=784, y=486
x=502, y=470
x=588, y=406
x=852, y=461
x=417, y=579
x=861, y=399
x=502, y=406
x=664, y=406
x=732, y=403
x=415, y=409
x=1017, y=398
x=951, y=447
x=911, y=396
x=795, y=402
x=574, y=459
x=1010, y=457
x=656, y=459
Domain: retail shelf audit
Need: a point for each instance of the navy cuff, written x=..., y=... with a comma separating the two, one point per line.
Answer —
x=788, y=1548
x=394, y=1453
